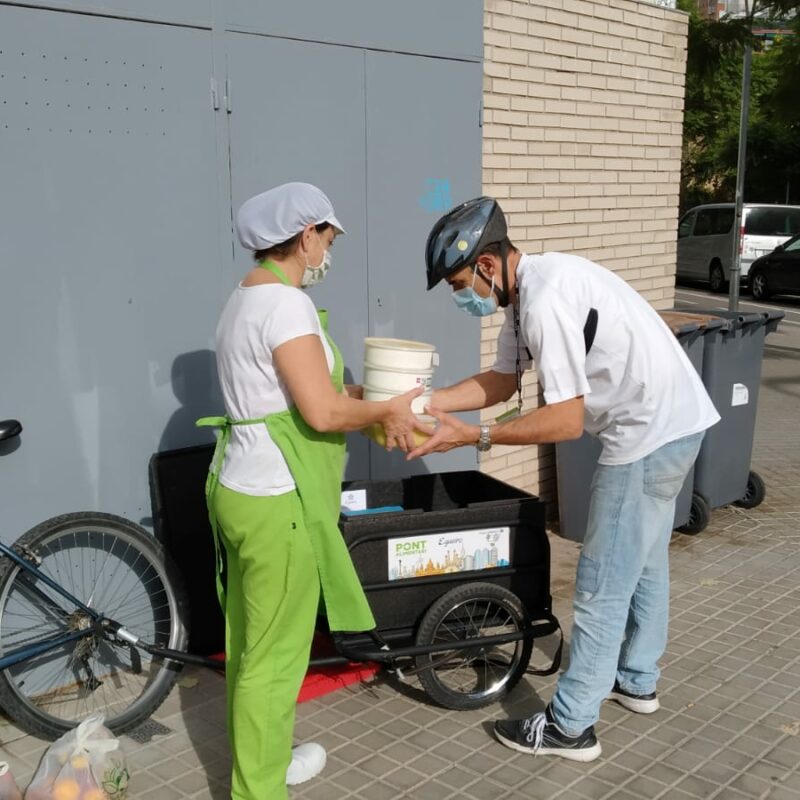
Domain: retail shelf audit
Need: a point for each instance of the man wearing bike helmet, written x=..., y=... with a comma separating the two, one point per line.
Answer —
x=609, y=365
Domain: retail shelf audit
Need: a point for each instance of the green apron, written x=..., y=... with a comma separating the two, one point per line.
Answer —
x=316, y=462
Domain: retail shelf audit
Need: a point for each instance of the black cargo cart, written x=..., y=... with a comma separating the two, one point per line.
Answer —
x=456, y=567
x=458, y=581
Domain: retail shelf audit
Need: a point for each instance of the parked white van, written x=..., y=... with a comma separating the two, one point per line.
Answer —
x=706, y=238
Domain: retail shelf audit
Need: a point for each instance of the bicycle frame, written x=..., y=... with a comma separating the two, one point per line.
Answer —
x=29, y=651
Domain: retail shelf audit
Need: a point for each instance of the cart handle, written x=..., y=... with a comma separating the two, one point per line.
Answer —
x=389, y=656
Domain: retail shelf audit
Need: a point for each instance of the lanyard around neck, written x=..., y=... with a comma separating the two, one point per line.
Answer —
x=515, y=312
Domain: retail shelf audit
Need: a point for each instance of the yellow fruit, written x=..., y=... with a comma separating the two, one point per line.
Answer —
x=79, y=762
x=376, y=433
x=66, y=789
x=94, y=794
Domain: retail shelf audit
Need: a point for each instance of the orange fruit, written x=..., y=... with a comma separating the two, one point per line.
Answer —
x=79, y=762
x=66, y=789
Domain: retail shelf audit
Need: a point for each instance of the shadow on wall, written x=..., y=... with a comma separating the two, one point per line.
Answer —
x=195, y=384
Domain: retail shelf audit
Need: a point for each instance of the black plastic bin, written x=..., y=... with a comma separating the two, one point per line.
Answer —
x=732, y=376
x=576, y=460
x=180, y=522
x=450, y=510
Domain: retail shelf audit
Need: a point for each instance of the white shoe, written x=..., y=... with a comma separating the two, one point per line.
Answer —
x=638, y=703
x=308, y=760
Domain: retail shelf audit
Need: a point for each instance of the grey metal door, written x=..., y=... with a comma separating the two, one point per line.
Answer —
x=108, y=246
x=423, y=146
x=297, y=114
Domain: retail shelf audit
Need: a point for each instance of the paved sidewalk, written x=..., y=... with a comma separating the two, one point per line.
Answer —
x=730, y=723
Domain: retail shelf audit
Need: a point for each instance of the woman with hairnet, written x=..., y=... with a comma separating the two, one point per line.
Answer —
x=274, y=486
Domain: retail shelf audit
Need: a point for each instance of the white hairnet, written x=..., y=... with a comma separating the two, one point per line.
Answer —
x=276, y=215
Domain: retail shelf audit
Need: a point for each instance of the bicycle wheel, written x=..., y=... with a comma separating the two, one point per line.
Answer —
x=480, y=675
x=116, y=568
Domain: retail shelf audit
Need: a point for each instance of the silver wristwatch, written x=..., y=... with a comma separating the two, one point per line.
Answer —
x=485, y=439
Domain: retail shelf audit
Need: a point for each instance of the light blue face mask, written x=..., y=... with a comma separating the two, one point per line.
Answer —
x=470, y=301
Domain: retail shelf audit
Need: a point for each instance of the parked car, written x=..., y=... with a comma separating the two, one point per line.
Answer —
x=777, y=272
x=706, y=239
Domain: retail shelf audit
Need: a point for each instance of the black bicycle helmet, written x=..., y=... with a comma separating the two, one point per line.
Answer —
x=458, y=238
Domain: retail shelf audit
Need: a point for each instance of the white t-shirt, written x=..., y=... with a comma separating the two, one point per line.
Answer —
x=640, y=389
x=255, y=321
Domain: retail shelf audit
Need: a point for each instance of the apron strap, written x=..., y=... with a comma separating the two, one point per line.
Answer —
x=212, y=479
x=272, y=267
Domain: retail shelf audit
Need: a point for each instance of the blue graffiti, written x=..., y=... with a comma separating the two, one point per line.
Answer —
x=438, y=197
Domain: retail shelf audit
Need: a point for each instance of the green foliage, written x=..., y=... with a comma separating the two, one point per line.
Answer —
x=713, y=106
x=787, y=79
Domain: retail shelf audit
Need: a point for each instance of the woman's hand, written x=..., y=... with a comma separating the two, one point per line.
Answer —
x=399, y=422
x=354, y=390
x=449, y=432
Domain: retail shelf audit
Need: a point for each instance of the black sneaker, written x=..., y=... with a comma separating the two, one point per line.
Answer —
x=638, y=703
x=539, y=735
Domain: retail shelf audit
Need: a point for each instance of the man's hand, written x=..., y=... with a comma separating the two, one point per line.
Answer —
x=450, y=432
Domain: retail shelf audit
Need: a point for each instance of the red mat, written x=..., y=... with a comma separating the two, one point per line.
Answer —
x=320, y=681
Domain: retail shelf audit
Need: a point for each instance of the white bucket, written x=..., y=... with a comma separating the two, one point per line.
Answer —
x=379, y=395
x=400, y=354
x=397, y=380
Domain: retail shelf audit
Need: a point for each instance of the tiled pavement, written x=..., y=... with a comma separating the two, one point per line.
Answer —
x=729, y=727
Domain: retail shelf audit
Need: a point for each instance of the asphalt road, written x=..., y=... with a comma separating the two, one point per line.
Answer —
x=788, y=333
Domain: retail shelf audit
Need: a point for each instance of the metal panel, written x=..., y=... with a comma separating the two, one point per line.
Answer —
x=423, y=151
x=108, y=243
x=177, y=12
x=298, y=114
x=447, y=28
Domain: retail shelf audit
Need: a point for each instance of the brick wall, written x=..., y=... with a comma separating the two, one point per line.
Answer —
x=582, y=132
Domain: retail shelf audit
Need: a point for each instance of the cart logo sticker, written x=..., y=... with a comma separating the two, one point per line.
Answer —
x=440, y=553
x=740, y=397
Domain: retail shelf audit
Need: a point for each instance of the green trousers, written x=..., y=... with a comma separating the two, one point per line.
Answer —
x=272, y=597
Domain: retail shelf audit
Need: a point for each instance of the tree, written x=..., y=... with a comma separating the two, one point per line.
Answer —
x=713, y=100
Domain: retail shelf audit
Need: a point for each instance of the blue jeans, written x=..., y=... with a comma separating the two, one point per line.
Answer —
x=622, y=586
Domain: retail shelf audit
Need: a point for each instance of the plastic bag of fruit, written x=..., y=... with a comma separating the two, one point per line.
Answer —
x=8, y=786
x=86, y=763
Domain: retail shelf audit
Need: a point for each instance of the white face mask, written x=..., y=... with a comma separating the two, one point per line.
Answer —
x=315, y=275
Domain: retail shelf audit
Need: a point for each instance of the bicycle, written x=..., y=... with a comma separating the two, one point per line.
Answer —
x=91, y=620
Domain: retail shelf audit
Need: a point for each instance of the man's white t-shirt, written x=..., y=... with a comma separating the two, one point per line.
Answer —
x=256, y=321
x=640, y=390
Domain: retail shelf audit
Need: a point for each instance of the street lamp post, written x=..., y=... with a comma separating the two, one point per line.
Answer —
x=738, y=242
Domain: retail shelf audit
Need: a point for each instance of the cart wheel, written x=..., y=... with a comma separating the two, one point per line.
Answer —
x=478, y=676
x=699, y=515
x=756, y=492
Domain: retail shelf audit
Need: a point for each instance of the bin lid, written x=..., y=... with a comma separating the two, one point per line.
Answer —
x=682, y=323
x=774, y=316
x=743, y=318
